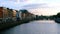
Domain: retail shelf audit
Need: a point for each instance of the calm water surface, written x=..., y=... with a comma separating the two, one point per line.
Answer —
x=35, y=27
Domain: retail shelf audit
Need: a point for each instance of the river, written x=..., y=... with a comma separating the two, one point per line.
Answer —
x=35, y=27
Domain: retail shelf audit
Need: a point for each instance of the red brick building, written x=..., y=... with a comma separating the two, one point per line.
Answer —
x=1, y=12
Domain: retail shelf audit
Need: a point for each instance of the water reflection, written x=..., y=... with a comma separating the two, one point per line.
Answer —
x=35, y=27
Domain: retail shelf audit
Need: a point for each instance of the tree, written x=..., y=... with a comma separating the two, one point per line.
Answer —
x=58, y=14
x=24, y=11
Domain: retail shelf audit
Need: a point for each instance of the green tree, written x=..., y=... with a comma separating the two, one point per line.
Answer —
x=58, y=14
x=24, y=11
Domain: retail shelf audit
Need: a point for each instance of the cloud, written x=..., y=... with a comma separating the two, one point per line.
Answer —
x=33, y=6
x=14, y=4
x=11, y=4
x=18, y=4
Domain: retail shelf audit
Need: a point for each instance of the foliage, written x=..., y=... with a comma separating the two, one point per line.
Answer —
x=24, y=11
x=58, y=14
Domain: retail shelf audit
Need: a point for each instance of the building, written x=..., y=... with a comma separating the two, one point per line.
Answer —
x=14, y=15
x=6, y=13
x=18, y=15
x=1, y=12
x=27, y=15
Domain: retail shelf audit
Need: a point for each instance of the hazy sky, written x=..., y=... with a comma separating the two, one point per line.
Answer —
x=45, y=7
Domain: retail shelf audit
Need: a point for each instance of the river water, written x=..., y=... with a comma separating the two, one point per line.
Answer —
x=35, y=27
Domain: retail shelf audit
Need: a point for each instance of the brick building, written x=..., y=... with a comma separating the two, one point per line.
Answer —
x=1, y=12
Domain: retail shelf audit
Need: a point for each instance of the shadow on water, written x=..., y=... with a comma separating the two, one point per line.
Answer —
x=8, y=25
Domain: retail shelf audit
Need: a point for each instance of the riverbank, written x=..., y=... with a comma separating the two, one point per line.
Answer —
x=7, y=25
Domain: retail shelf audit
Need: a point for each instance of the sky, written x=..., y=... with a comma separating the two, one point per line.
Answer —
x=38, y=7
